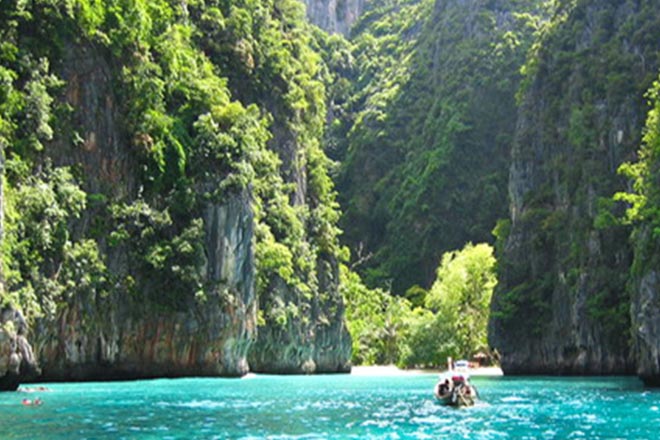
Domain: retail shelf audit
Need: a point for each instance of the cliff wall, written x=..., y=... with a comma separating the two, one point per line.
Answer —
x=642, y=199
x=562, y=305
x=301, y=322
x=645, y=310
x=125, y=332
x=17, y=360
x=334, y=16
x=174, y=202
x=428, y=146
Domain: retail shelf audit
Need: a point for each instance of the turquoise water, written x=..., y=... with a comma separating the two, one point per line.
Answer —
x=334, y=407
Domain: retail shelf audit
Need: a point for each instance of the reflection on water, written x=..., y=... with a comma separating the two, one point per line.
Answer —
x=333, y=407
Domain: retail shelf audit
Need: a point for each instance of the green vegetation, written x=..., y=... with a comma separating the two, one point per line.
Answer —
x=376, y=320
x=568, y=241
x=643, y=202
x=461, y=295
x=429, y=128
x=122, y=121
x=388, y=329
x=44, y=265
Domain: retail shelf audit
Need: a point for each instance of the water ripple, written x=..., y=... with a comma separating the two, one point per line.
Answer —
x=336, y=407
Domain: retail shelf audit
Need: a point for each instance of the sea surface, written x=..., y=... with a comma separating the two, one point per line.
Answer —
x=333, y=407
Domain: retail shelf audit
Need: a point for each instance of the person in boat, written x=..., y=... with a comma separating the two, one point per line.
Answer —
x=461, y=389
x=444, y=388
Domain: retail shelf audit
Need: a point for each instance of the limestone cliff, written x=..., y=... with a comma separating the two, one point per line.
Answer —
x=562, y=304
x=17, y=360
x=122, y=335
x=645, y=310
x=127, y=334
x=334, y=16
x=310, y=336
x=643, y=199
x=304, y=328
x=166, y=196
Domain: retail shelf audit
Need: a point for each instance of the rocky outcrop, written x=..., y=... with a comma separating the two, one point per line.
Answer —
x=124, y=336
x=646, y=328
x=334, y=16
x=17, y=361
x=562, y=304
x=102, y=144
x=644, y=199
x=152, y=318
x=121, y=333
x=307, y=336
x=304, y=331
x=645, y=308
x=16, y=358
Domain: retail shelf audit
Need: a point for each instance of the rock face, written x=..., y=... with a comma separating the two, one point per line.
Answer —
x=312, y=340
x=17, y=361
x=646, y=328
x=334, y=16
x=562, y=305
x=305, y=330
x=195, y=314
x=122, y=334
x=118, y=337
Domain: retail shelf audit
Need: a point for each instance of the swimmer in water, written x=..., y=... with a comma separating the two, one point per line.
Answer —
x=35, y=402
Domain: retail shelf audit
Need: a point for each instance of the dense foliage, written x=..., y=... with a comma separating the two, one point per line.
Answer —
x=431, y=124
x=643, y=203
x=123, y=121
x=451, y=323
x=643, y=198
x=461, y=295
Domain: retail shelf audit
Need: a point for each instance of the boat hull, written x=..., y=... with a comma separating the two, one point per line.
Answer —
x=457, y=397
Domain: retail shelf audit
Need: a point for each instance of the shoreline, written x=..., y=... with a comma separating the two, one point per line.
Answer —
x=393, y=370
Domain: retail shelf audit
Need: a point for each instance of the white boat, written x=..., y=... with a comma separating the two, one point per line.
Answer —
x=461, y=365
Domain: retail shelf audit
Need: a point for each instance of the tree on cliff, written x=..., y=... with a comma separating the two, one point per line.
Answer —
x=644, y=200
x=563, y=298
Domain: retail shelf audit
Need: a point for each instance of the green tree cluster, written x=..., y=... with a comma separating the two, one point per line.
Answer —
x=461, y=295
x=643, y=203
x=453, y=321
x=642, y=200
